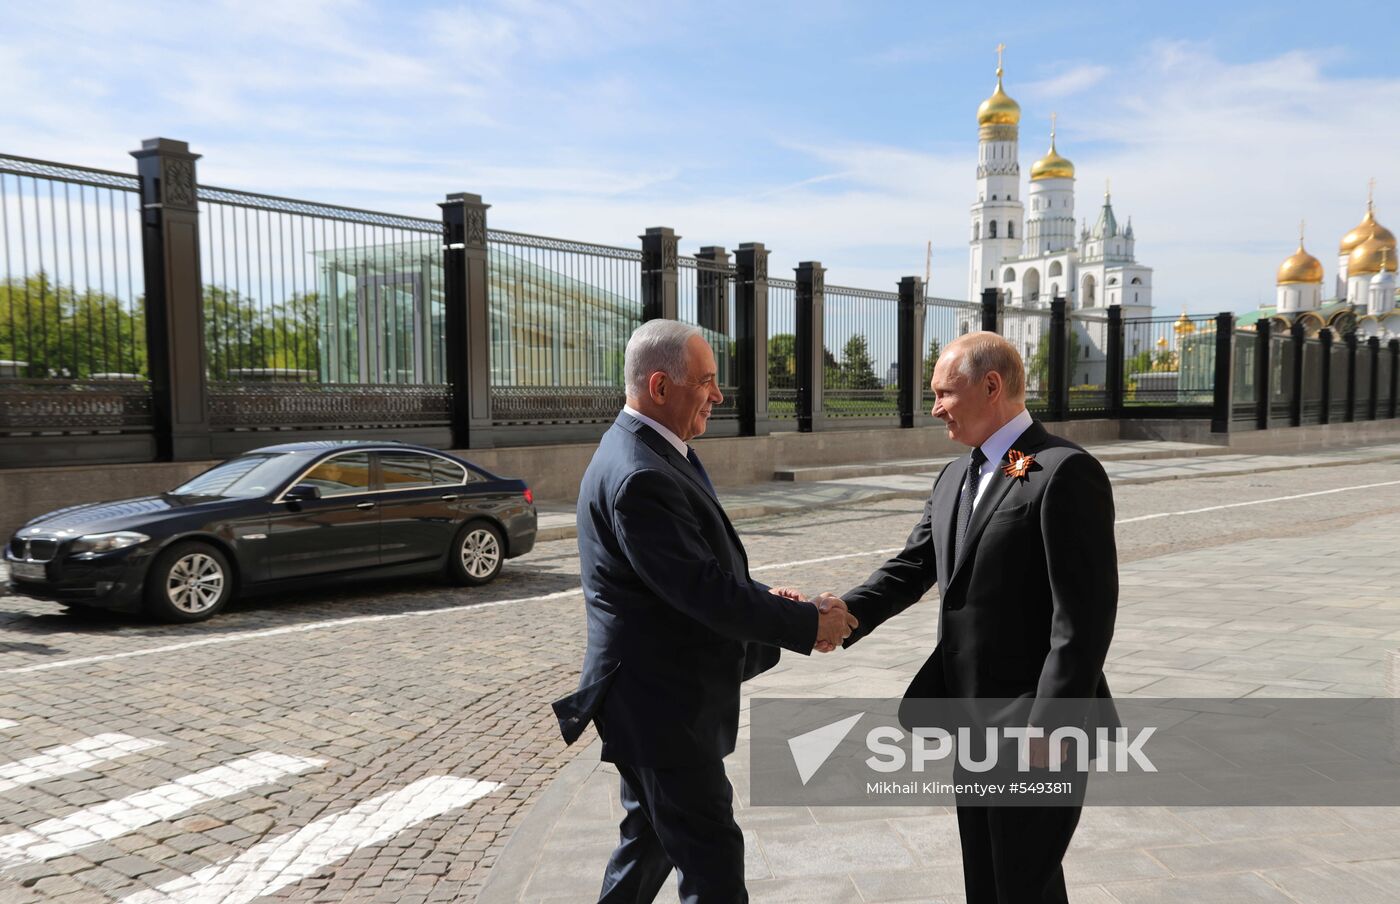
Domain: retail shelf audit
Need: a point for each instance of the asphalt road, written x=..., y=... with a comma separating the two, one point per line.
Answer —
x=379, y=741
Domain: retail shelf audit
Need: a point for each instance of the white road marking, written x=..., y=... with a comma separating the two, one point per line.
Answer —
x=1228, y=505
x=103, y=822
x=474, y=607
x=7, y=723
x=69, y=758
x=279, y=862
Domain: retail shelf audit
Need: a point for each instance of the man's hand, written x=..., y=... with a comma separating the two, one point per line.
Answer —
x=1039, y=752
x=790, y=593
x=834, y=624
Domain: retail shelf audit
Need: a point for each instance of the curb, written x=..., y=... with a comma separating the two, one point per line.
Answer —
x=508, y=875
x=760, y=509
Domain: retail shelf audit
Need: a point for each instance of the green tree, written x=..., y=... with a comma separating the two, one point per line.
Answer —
x=782, y=360
x=857, y=370
x=931, y=359
x=1038, y=368
x=59, y=332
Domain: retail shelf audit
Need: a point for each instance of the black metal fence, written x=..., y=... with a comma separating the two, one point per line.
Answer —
x=560, y=316
x=72, y=313
x=148, y=316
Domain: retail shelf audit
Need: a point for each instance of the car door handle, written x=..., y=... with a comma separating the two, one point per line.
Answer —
x=450, y=497
x=364, y=505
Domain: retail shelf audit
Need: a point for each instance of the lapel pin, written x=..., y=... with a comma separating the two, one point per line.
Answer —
x=1020, y=465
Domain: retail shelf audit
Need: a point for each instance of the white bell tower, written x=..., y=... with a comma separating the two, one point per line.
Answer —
x=998, y=216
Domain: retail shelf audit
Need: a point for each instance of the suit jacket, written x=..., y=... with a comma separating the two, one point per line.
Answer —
x=675, y=622
x=1028, y=608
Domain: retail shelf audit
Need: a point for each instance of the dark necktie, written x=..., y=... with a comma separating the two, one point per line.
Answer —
x=969, y=499
x=694, y=460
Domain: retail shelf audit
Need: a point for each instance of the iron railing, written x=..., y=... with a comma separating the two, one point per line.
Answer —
x=705, y=298
x=72, y=314
x=561, y=313
x=1168, y=363
x=782, y=352
x=1028, y=329
x=860, y=353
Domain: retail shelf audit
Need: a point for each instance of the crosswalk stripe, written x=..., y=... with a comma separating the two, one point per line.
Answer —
x=111, y=819
x=69, y=758
x=279, y=862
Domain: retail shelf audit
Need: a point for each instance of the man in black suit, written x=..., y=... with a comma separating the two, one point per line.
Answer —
x=1027, y=574
x=675, y=623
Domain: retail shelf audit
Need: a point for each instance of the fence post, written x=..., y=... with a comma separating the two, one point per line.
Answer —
x=1299, y=334
x=1325, y=415
x=911, y=350
x=467, y=319
x=1373, y=346
x=1059, y=366
x=811, y=350
x=659, y=273
x=1224, y=372
x=1263, y=345
x=174, y=299
x=1394, y=377
x=1350, y=340
x=1113, y=371
x=991, y=308
x=711, y=289
x=751, y=337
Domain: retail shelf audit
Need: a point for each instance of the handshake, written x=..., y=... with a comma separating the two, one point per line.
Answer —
x=834, y=623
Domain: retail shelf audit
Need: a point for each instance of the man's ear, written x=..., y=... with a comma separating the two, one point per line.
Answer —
x=657, y=385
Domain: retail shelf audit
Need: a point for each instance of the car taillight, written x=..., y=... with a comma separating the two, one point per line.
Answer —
x=529, y=496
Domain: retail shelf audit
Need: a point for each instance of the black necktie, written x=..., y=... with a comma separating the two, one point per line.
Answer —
x=694, y=460
x=969, y=498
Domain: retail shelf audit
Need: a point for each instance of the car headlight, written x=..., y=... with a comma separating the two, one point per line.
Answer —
x=92, y=544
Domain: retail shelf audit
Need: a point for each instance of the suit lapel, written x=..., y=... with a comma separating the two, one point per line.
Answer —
x=945, y=513
x=660, y=446
x=1030, y=441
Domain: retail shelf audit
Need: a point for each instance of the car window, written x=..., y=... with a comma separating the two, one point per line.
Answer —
x=448, y=473
x=342, y=475
x=406, y=470
x=244, y=477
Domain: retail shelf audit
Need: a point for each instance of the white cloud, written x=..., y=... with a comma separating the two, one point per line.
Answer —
x=1072, y=81
x=1216, y=161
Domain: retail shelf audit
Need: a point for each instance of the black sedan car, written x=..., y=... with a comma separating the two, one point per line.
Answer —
x=273, y=517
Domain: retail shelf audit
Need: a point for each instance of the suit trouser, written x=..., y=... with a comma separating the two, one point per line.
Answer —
x=681, y=818
x=1013, y=855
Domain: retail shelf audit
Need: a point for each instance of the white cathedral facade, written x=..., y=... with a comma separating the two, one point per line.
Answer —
x=1032, y=260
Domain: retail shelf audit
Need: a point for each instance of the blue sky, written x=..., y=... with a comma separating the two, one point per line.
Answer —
x=842, y=132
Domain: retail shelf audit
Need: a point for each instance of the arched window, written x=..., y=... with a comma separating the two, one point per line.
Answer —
x=976, y=231
x=1086, y=297
x=1054, y=290
x=1113, y=280
x=1009, y=276
x=1010, y=229
x=1056, y=269
x=992, y=229
x=1137, y=281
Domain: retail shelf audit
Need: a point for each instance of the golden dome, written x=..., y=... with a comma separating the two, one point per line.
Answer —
x=1184, y=326
x=1370, y=256
x=999, y=109
x=1301, y=267
x=1052, y=165
x=1367, y=228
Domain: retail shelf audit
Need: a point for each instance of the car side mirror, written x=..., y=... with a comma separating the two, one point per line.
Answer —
x=302, y=492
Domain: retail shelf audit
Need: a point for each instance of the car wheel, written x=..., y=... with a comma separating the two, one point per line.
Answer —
x=477, y=553
x=188, y=582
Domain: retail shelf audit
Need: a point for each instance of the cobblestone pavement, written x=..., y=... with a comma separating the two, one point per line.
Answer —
x=381, y=742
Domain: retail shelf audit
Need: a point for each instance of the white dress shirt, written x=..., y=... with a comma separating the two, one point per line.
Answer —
x=996, y=447
x=665, y=431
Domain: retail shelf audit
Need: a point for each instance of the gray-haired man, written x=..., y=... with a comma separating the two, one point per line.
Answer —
x=675, y=623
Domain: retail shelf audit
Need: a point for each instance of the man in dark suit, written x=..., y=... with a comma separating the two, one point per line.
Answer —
x=1027, y=573
x=675, y=623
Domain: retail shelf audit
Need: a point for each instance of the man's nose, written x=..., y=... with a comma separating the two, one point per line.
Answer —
x=715, y=395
